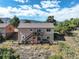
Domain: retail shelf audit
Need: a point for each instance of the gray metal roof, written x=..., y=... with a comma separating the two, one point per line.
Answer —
x=3, y=25
x=36, y=25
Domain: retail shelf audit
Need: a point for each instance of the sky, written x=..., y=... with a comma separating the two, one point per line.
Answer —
x=39, y=9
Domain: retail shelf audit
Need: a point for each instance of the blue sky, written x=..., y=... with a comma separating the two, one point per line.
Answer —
x=40, y=9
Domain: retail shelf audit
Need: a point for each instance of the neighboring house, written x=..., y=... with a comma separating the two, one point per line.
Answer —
x=8, y=31
x=35, y=32
x=11, y=32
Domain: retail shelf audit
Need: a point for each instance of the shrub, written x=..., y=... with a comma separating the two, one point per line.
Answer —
x=55, y=57
x=7, y=54
x=1, y=38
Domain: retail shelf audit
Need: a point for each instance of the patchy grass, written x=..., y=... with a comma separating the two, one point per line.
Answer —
x=56, y=57
x=63, y=48
x=7, y=44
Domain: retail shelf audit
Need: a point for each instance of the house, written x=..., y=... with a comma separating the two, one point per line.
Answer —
x=11, y=32
x=8, y=31
x=35, y=32
x=29, y=32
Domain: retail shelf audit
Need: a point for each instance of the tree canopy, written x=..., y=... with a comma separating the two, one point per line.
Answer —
x=51, y=19
x=67, y=25
x=15, y=21
x=8, y=53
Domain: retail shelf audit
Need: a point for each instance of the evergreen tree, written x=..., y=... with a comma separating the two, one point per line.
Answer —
x=51, y=19
x=15, y=21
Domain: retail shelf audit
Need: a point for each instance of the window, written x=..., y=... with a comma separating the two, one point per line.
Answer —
x=38, y=38
x=48, y=30
x=39, y=30
x=48, y=37
x=30, y=29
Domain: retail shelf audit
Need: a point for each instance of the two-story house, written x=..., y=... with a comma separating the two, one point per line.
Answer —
x=35, y=32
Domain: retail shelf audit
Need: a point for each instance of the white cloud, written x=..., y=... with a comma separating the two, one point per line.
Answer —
x=22, y=11
x=37, y=6
x=31, y=11
x=66, y=13
x=25, y=7
x=21, y=1
x=51, y=4
x=4, y=12
x=52, y=10
x=25, y=10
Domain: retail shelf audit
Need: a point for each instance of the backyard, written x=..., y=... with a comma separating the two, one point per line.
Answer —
x=59, y=50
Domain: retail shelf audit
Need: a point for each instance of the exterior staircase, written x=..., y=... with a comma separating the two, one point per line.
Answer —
x=26, y=40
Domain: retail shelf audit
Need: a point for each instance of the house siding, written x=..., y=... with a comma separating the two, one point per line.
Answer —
x=49, y=34
x=25, y=32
